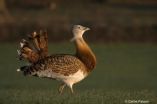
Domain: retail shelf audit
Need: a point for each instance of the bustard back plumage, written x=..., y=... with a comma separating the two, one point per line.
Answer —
x=69, y=69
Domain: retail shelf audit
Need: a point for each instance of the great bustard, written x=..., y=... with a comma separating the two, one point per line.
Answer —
x=69, y=69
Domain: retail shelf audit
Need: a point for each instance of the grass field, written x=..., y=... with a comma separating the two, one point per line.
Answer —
x=124, y=73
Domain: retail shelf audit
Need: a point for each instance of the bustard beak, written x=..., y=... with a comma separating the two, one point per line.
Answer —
x=86, y=28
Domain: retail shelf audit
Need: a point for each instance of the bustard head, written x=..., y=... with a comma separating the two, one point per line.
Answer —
x=78, y=31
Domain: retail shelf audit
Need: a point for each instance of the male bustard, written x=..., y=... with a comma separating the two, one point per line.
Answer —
x=69, y=69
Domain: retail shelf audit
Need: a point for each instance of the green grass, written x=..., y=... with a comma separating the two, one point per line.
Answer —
x=31, y=96
x=123, y=72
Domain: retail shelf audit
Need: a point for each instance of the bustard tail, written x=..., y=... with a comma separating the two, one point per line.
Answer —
x=35, y=48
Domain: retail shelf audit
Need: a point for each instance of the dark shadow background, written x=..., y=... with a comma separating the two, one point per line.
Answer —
x=109, y=20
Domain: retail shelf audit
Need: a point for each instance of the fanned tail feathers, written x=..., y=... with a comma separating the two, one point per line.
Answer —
x=40, y=42
x=34, y=49
x=26, y=52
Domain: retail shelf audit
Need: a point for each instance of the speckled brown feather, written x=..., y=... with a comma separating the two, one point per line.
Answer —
x=61, y=64
x=43, y=44
x=29, y=55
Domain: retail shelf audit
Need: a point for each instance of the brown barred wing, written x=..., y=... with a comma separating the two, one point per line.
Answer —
x=60, y=64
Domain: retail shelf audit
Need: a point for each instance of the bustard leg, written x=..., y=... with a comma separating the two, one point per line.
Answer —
x=61, y=87
x=71, y=89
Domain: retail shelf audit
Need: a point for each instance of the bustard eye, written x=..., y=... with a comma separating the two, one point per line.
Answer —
x=79, y=27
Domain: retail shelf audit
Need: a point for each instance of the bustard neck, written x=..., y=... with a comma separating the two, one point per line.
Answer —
x=85, y=54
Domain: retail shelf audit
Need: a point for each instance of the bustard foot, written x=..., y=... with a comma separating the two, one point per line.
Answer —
x=61, y=87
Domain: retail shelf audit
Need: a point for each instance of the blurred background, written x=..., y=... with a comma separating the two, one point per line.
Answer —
x=123, y=35
x=110, y=20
